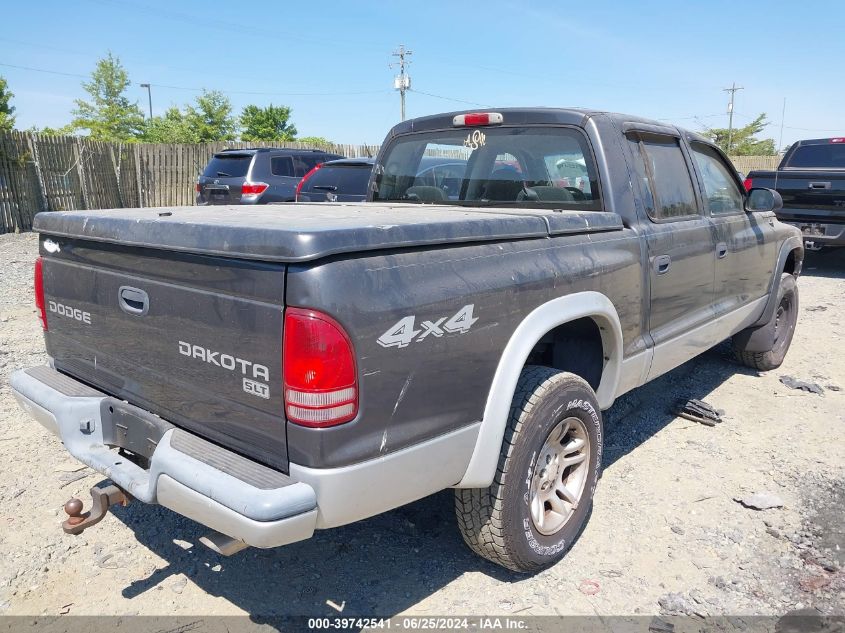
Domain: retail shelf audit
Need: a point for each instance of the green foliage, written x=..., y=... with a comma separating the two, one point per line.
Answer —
x=7, y=111
x=173, y=127
x=65, y=130
x=211, y=118
x=317, y=141
x=742, y=139
x=109, y=115
x=267, y=124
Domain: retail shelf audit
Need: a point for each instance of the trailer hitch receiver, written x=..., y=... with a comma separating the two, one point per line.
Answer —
x=101, y=500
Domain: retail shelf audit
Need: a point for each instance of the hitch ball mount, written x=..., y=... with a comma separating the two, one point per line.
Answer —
x=101, y=500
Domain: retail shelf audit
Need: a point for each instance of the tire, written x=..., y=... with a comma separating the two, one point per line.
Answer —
x=785, y=317
x=498, y=522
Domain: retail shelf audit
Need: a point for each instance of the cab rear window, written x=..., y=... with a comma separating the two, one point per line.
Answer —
x=491, y=166
x=228, y=166
x=819, y=156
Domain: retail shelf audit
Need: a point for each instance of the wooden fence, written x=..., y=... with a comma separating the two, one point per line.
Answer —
x=58, y=173
x=750, y=163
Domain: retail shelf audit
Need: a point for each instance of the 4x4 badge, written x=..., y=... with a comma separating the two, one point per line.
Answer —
x=403, y=332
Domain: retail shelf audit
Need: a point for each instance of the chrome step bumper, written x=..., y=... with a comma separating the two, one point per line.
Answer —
x=200, y=480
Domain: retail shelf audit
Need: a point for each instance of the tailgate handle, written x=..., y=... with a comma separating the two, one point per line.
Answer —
x=819, y=185
x=133, y=301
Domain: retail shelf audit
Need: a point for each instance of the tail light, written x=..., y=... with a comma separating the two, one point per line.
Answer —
x=306, y=177
x=748, y=183
x=198, y=187
x=477, y=118
x=39, y=292
x=251, y=190
x=320, y=376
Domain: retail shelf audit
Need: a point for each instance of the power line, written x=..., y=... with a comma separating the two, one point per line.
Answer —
x=43, y=70
x=428, y=94
x=692, y=116
x=234, y=92
x=802, y=129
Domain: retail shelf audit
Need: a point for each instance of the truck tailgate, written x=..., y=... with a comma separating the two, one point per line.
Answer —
x=194, y=339
x=808, y=195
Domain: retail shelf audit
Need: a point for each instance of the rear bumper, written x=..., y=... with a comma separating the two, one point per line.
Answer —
x=198, y=479
x=221, y=489
x=818, y=234
x=200, y=202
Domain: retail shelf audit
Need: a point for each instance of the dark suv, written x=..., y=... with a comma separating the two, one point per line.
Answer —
x=256, y=176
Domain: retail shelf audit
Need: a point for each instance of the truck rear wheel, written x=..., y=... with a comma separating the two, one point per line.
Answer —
x=548, y=469
x=784, y=318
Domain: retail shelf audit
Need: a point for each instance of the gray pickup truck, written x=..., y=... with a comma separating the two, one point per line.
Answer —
x=272, y=371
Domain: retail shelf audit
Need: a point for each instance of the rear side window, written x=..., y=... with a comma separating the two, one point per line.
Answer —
x=831, y=156
x=723, y=194
x=351, y=179
x=661, y=164
x=228, y=166
x=281, y=166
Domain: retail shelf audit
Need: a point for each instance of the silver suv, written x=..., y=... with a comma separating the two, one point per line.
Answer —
x=256, y=176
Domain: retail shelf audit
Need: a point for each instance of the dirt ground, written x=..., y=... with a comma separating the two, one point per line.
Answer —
x=666, y=534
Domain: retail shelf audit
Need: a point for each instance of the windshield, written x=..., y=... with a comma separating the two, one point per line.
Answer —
x=490, y=166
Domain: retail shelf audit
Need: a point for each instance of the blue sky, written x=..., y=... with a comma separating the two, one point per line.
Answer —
x=329, y=60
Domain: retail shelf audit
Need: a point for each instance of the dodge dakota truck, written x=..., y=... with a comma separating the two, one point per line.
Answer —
x=269, y=371
x=811, y=182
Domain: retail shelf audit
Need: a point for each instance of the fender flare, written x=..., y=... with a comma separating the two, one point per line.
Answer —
x=485, y=455
x=792, y=243
x=760, y=336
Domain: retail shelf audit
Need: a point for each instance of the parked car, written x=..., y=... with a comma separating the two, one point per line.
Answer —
x=444, y=173
x=256, y=176
x=811, y=181
x=285, y=371
x=343, y=180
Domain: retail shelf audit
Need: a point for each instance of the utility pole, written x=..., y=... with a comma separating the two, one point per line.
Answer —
x=732, y=90
x=402, y=81
x=149, y=98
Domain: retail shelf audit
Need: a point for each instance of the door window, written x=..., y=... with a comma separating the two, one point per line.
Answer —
x=281, y=166
x=720, y=186
x=664, y=167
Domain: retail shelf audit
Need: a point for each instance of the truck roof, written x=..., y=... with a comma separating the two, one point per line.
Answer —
x=820, y=141
x=535, y=116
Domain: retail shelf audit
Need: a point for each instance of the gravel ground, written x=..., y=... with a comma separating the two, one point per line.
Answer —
x=666, y=534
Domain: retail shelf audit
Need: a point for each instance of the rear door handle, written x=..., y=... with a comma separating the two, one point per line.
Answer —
x=133, y=301
x=661, y=264
x=819, y=185
x=721, y=250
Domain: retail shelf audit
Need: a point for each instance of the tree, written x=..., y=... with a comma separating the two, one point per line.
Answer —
x=172, y=127
x=65, y=130
x=109, y=115
x=742, y=139
x=211, y=118
x=7, y=111
x=267, y=124
x=317, y=141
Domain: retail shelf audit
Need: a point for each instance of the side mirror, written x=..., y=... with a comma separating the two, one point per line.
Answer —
x=762, y=199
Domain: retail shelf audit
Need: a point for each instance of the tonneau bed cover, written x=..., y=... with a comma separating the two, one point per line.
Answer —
x=299, y=232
